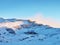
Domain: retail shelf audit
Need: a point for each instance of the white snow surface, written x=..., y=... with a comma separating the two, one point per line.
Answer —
x=42, y=34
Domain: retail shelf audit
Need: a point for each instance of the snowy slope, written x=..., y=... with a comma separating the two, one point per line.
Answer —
x=28, y=33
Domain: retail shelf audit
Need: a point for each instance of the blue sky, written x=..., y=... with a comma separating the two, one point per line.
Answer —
x=28, y=8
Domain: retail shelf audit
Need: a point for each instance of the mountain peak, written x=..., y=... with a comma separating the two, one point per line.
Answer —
x=17, y=23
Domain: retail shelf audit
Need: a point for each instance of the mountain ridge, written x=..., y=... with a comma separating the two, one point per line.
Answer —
x=13, y=21
x=24, y=31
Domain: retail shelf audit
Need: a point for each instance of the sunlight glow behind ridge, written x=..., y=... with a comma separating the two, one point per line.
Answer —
x=46, y=21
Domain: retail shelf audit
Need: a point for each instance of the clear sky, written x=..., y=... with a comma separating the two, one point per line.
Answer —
x=28, y=8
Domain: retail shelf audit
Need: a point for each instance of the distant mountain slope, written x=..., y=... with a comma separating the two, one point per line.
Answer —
x=26, y=32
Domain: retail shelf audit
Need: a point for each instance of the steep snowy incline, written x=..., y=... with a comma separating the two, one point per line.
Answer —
x=12, y=23
x=29, y=33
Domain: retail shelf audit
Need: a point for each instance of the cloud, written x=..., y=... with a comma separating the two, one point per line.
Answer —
x=38, y=18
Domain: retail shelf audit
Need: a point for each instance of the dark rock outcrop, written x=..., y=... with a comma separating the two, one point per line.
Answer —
x=11, y=31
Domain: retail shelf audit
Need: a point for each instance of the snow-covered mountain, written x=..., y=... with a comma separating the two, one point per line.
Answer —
x=26, y=32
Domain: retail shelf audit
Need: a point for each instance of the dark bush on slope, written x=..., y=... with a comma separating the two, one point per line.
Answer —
x=31, y=32
x=11, y=31
x=0, y=40
x=0, y=33
x=23, y=39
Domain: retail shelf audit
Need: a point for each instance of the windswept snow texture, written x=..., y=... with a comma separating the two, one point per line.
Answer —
x=29, y=33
